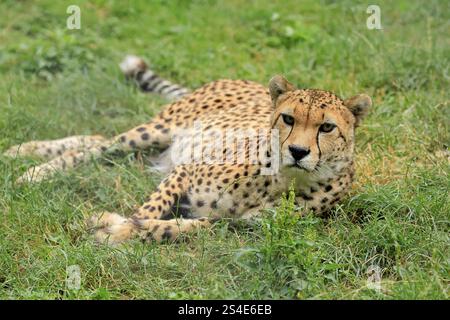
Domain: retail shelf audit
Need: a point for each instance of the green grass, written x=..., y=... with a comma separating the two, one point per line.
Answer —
x=56, y=82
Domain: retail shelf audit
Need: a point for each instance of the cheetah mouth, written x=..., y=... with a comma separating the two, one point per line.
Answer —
x=298, y=166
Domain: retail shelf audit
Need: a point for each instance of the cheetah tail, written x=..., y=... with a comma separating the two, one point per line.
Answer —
x=148, y=81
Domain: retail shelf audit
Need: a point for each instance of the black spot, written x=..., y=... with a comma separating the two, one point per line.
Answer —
x=159, y=126
x=328, y=188
x=145, y=136
x=167, y=235
x=214, y=204
x=324, y=200
x=122, y=139
x=185, y=200
x=141, y=129
x=334, y=201
x=304, y=196
x=132, y=143
x=200, y=203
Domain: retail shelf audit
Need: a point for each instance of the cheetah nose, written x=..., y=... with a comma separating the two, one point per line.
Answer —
x=298, y=152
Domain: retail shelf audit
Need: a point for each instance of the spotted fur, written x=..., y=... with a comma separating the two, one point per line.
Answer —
x=316, y=142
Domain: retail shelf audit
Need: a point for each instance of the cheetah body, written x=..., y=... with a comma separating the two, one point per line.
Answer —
x=318, y=164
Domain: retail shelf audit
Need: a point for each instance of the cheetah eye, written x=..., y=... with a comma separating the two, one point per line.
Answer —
x=327, y=127
x=289, y=120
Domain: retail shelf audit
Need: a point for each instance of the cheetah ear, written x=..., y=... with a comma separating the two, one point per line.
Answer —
x=359, y=105
x=278, y=85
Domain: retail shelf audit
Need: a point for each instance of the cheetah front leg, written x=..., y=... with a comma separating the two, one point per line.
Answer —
x=154, y=133
x=119, y=229
x=146, y=223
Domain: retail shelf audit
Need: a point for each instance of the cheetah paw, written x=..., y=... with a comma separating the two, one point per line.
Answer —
x=36, y=174
x=19, y=150
x=111, y=228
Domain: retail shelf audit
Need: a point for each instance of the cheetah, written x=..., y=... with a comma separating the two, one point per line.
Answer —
x=283, y=137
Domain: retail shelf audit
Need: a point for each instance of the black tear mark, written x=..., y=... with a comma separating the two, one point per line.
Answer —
x=318, y=146
x=290, y=131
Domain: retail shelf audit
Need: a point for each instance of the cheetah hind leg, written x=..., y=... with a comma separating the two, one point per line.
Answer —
x=113, y=229
x=50, y=149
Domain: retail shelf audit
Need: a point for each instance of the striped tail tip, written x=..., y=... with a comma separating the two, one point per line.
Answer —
x=132, y=64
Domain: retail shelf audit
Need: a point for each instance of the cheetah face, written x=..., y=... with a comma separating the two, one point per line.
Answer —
x=316, y=128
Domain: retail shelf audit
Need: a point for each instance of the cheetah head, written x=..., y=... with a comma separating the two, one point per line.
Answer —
x=316, y=127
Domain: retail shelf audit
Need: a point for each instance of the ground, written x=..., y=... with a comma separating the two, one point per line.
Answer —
x=56, y=82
